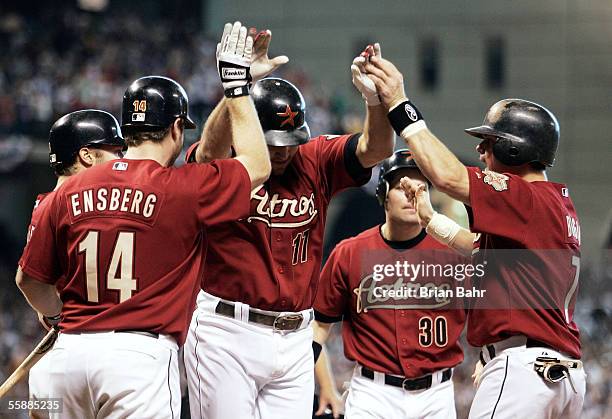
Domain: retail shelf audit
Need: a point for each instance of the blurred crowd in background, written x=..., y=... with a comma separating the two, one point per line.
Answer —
x=75, y=60
x=68, y=59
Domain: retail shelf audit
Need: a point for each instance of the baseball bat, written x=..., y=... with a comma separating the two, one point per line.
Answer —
x=42, y=348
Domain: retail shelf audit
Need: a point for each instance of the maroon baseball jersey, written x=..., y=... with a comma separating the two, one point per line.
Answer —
x=38, y=208
x=272, y=259
x=125, y=242
x=395, y=334
x=530, y=238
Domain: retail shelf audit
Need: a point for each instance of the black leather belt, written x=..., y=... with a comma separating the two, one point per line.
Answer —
x=532, y=343
x=529, y=343
x=421, y=383
x=284, y=322
x=140, y=332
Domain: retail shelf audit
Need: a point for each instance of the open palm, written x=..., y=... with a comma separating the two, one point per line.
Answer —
x=261, y=64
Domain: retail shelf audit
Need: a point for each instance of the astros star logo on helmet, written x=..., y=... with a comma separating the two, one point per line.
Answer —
x=290, y=116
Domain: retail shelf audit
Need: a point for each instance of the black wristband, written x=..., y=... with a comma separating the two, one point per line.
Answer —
x=53, y=321
x=316, y=350
x=237, y=91
x=403, y=115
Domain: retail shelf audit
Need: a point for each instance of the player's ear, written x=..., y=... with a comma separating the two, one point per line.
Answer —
x=177, y=129
x=86, y=156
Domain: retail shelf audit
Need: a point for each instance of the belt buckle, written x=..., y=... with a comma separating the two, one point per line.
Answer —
x=408, y=385
x=284, y=322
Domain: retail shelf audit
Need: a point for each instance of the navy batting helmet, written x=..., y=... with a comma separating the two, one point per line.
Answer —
x=152, y=103
x=401, y=159
x=281, y=109
x=522, y=131
x=89, y=127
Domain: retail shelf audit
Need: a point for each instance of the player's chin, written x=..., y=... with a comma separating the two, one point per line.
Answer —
x=410, y=216
x=279, y=168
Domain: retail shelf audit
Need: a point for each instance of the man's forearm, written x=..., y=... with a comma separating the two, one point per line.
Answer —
x=248, y=138
x=436, y=161
x=464, y=242
x=42, y=297
x=439, y=164
x=323, y=372
x=377, y=141
x=216, y=139
x=321, y=331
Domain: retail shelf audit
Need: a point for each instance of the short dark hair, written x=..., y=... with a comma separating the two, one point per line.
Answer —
x=65, y=168
x=137, y=138
x=156, y=136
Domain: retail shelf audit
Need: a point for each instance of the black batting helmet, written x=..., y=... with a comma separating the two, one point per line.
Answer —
x=152, y=103
x=89, y=127
x=281, y=109
x=401, y=159
x=523, y=132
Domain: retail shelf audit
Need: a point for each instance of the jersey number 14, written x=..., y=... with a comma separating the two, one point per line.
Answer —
x=120, y=271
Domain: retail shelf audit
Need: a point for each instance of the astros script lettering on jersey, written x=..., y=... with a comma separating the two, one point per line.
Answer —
x=290, y=213
x=271, y=259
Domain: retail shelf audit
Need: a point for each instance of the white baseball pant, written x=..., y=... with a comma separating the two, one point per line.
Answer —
x=373, y=399
x=510, y=388
x=39, y=385
x=110, y=375
x=237, y=369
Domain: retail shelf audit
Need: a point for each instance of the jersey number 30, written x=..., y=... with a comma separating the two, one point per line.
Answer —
x=123, y=252
x=433, y=331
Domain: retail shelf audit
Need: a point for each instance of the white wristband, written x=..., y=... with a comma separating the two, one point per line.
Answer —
x=413, y=129
x=442, y=228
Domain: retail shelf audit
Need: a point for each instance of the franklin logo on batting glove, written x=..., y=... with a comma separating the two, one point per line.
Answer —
x=234, y=73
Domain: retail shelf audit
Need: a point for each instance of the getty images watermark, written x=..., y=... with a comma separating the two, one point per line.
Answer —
x=513, y=279
x=417, y=279
x=402, y=271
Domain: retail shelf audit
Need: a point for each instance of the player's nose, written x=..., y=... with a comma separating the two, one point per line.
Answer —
x=480, y=148
x=280, y=153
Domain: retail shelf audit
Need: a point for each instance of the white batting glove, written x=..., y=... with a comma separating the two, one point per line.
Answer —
x=262, y=65
x=234, y=59
x=362, y=82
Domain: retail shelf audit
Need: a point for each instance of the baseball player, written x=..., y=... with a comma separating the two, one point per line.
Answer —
x=129, y=271
x=405, y=346
x=77, y=141
x=528, y=231
x=249, y=349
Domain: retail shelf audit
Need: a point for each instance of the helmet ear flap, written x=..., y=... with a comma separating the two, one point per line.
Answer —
x=511, y=153
x=381, y=191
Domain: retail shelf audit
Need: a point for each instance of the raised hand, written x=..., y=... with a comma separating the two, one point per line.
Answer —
x=418, y=194
x=262, y=65
x=388, y=80
x=234, y=59
x=360, y=79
